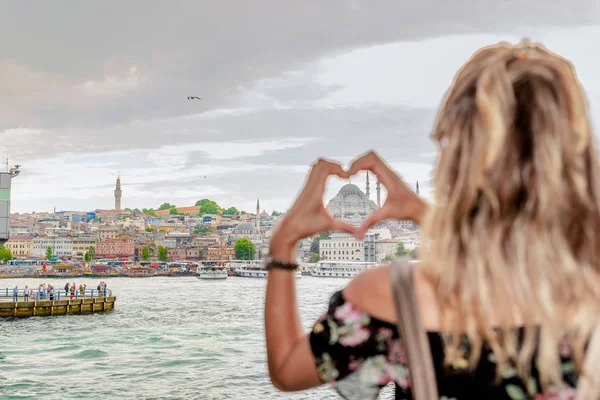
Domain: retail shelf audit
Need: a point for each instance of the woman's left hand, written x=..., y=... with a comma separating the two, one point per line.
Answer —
x=308, y=216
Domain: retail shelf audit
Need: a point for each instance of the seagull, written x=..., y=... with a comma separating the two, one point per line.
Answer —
x=194, y=97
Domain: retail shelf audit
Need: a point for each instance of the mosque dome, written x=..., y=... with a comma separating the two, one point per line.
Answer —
x=351, y=202
x=245, y=228
x=350, y=189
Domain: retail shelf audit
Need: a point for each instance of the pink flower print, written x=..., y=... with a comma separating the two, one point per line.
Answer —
x=555, y=393
x=565, y=348
x=348, y=313
x=384, y=333
x=353, y=364
x=384, y=378
x=396, y=352
x=355, y=338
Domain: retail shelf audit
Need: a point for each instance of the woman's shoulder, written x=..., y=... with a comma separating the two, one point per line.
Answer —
x=371, y=291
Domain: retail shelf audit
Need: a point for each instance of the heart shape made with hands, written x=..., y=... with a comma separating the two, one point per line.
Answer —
x=308, y=216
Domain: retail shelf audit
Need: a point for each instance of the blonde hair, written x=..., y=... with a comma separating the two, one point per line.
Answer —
x=515, y=225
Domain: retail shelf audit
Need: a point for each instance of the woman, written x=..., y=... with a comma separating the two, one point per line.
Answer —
x=508, y=290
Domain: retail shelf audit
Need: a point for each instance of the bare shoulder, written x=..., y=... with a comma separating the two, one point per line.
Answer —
x=371, y=292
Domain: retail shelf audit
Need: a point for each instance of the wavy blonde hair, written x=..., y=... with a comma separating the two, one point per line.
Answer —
x=515, y=226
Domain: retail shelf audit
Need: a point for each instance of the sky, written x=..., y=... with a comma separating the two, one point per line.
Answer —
x=90, y=90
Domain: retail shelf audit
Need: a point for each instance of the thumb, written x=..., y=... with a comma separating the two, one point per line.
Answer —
x=338, y=225
x=381, y=214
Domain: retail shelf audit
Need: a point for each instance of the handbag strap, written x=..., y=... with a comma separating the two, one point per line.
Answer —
x=416, y=343
x=588, y=387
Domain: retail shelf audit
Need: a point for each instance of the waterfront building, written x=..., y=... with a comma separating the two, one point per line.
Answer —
x=20, y=246
x=220, y=254
x=82, y=244
x=342, y=246
x=61, y=246
x=111, y=248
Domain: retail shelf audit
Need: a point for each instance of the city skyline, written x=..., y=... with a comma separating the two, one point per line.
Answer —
x=76, y=109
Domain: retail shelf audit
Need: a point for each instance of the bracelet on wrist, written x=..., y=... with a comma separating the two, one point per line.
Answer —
x=271, y=263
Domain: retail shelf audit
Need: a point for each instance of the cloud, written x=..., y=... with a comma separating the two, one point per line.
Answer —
x=108, y=92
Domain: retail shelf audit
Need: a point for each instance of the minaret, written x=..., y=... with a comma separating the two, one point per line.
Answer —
x=378, y=188
x=417, y=188
x=368, y=186
x=258, y=214
x=118, y=194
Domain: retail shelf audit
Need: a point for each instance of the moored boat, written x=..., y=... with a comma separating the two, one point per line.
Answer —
x=211, y=272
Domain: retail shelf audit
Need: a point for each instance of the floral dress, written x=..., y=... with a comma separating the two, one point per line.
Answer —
x=359, y=355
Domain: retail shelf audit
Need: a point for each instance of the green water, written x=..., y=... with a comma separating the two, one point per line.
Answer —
x=168, y=338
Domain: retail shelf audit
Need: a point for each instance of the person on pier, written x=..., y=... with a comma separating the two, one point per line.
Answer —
x=508, y=288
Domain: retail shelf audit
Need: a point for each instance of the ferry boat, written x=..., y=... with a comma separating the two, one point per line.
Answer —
x=256, y=271
x=211, y=272
x=340, y=269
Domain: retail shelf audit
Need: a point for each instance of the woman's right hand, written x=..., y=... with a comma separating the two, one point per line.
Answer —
x=401, y=203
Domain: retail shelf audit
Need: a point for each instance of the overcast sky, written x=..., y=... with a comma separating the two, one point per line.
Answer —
x=88, y=89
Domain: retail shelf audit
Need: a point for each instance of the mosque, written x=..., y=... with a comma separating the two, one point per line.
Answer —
x=352, y=203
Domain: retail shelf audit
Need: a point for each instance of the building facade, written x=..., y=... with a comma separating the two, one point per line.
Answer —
x=81, y=245
x=20, y=246
x=115, y=248
x=342, y=247
x=61, y=246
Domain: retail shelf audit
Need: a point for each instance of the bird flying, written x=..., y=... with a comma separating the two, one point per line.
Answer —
x=194, y=97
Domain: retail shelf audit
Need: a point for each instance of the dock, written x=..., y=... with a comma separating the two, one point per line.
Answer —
x=36, y=307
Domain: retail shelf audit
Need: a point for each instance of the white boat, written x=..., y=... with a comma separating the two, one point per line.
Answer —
x=211, y=272
x=256, y=271
x=339, y=269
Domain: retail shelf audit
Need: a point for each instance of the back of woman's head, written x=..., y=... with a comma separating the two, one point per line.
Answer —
x=515, y=224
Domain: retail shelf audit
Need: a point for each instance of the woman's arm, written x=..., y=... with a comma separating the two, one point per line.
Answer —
x=291, y=363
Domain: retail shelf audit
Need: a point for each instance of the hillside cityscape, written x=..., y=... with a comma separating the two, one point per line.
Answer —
x=204, y=231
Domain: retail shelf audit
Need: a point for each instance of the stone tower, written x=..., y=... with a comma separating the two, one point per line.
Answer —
x=258, y=214
x=118, y=194
x=417, y=188
x=378, y=188
x=368, y=187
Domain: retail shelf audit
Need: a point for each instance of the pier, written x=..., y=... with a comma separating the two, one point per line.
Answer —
x=18, y=307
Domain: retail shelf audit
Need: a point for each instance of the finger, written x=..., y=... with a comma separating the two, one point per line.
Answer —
x=381, y=214
x=338, y=225
x=321, y=170
x=373, y=163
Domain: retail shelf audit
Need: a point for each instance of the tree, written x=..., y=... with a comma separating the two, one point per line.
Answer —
x=136, y=210
x=208, y=206
x=314, y=246
x=145, y=253
x=202, y=230
x=275, y=213
x=400, y=250
x=5, y=254
x=174, y=211
x=148, y=229
x=127, y=209
x=86, y=257
x=389, y=257
x=163, y=253
x=166, y=206
x=314, y=258
x=414, y=253
x=230, y=211
x=49, y=253
x=92, y=252
x=149, y=211
x=244, y=249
